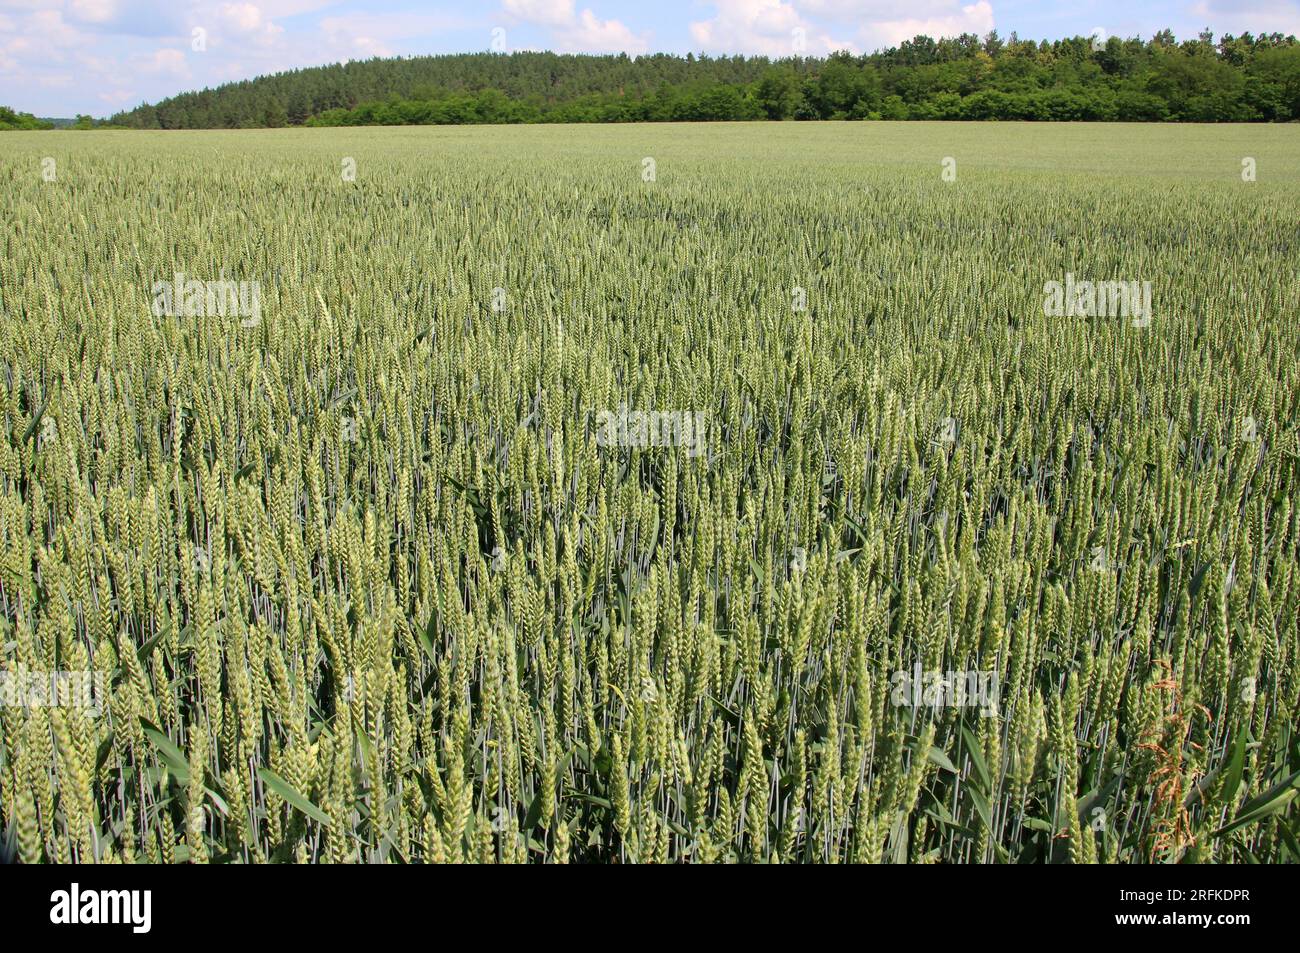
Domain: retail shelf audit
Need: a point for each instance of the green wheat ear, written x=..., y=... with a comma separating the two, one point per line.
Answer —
x=377, y=546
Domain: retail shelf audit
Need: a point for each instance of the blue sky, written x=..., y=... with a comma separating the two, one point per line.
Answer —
x=63, y=57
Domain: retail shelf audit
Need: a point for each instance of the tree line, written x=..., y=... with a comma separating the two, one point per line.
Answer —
x=10, y=119
x=1236, y=79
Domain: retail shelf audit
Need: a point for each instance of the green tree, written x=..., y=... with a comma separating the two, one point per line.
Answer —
x=275, y=115
x=777, y=93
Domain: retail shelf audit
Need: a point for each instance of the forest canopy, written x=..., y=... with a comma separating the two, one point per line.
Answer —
x=1236, y=79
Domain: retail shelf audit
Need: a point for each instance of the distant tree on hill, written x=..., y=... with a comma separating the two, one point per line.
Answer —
x=10, y=119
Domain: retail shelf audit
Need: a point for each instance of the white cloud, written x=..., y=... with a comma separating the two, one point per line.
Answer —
x=576, y=32
x=544, y=12
x=166, y=62
x=243, y=17
x=762, y=27
x=590, y=34
x=974, y=18
x=808, y=27
x=363, y=35
x=854, y=11
x=1256, y=16
x=350, y=42
x=27, y=4
x=117, y=98
x=94, y=11
x=244, y=24
x=291, y=8
x=36, y=44
x=390, y=26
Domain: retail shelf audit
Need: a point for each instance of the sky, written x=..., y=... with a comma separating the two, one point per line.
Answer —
x=61, y=58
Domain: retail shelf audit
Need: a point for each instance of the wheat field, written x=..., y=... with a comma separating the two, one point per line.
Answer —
x=624, y=494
